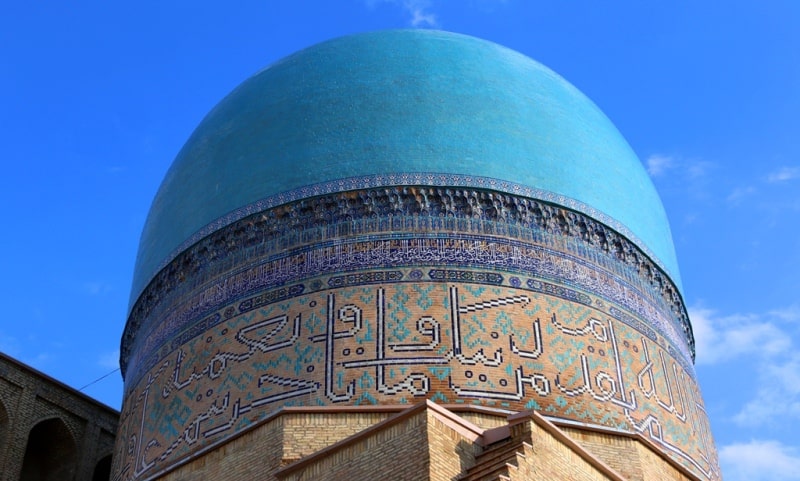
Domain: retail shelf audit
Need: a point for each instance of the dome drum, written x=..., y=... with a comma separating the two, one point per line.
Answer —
x=406, y=292
x=420, y=210
x=401, y=216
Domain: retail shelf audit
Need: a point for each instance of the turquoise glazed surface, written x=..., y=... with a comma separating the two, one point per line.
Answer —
x=402, y=102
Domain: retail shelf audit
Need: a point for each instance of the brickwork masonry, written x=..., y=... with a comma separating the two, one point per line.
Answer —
x=50, y=428
x=425, y=442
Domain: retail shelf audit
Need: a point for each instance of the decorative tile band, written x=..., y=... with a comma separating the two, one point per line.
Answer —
x=417, y=181
x=398, y=294
x=515, y=257
x=397, y=335
x=407, y=226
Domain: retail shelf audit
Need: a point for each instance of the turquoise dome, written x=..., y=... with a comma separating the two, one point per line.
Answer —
x=371, y=108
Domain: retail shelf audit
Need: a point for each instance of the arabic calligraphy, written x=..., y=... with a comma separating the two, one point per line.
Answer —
x=498, y=346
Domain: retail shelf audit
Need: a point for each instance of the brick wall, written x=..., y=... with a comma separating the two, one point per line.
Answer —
x=276, y=442
x=451, y=454
x=482, y=419
x=630, y=455
x=70, y=429
x=655, y=467
x=306, y=433
x=423, y=442
x=551, y=458
x=253, y=455
x=618, y=451
x=398, y=452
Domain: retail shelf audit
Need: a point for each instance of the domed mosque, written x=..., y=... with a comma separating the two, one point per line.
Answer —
x=408, y=255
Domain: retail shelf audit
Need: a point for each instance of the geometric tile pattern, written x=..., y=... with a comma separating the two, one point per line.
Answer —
x=452, y=342
x=478, y=192
x=514, y=305
x=417, y=219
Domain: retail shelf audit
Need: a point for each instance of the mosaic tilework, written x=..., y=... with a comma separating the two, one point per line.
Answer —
x=416, y=211
x=404, y=293
x=473, y=184
x=462, y=339
x=345, y=255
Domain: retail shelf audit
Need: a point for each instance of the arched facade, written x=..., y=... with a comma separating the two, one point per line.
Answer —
x=4, y=425
x=50, y=453
x=49, y=431
x=102, y=470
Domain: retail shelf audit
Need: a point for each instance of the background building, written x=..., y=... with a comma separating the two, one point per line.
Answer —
x=49, y=431
x=390, y=219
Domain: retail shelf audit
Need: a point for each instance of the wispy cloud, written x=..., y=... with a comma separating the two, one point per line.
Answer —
x=9, y=345
x=95, y=288
x=740, y=193
x=777, y=394
x=787, y=314
x=22, y=349
x=722, y=338
x=39, y=361
x=691, y=175
x=783, y=174
x=698, y=168
x=421, y=14
x=109, y=360
x=764, y=341
x=769, y=197
x=420, y=11
x=760, y=461
x=657, y=164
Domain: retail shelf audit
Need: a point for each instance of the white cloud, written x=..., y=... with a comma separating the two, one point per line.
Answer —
x=788, y=314
x=777, y=394
x=420, y=16
x=109, y=360
x=784, y=174
x=760, y=461
x=94, y=288
x=21, y=350
x=698, y=168
x=739, y=193
x=419, y=10
x=722, y=338
x=764, y=342
x=39, y=361
x=9, y=345
x=694, y=172
x=657, y=164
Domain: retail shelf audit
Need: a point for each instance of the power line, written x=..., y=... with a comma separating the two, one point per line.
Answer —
x=99, y=379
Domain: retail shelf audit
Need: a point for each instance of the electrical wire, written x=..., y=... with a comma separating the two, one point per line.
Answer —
x=99, y=379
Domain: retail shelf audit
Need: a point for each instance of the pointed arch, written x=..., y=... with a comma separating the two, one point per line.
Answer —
x=51, y=453
x=4, y=430
x=102, y=470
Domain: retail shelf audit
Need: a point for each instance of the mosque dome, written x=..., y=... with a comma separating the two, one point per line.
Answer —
x=402, y=102
x=397, y=217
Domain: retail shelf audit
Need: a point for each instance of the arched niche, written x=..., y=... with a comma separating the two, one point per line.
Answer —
x=51, y=454
x=4, y=429
x=102, y=470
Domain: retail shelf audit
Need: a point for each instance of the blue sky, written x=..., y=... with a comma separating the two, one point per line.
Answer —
x=96, y=99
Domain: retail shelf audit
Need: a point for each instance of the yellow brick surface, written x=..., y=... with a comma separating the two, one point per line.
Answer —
x=423, y=444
